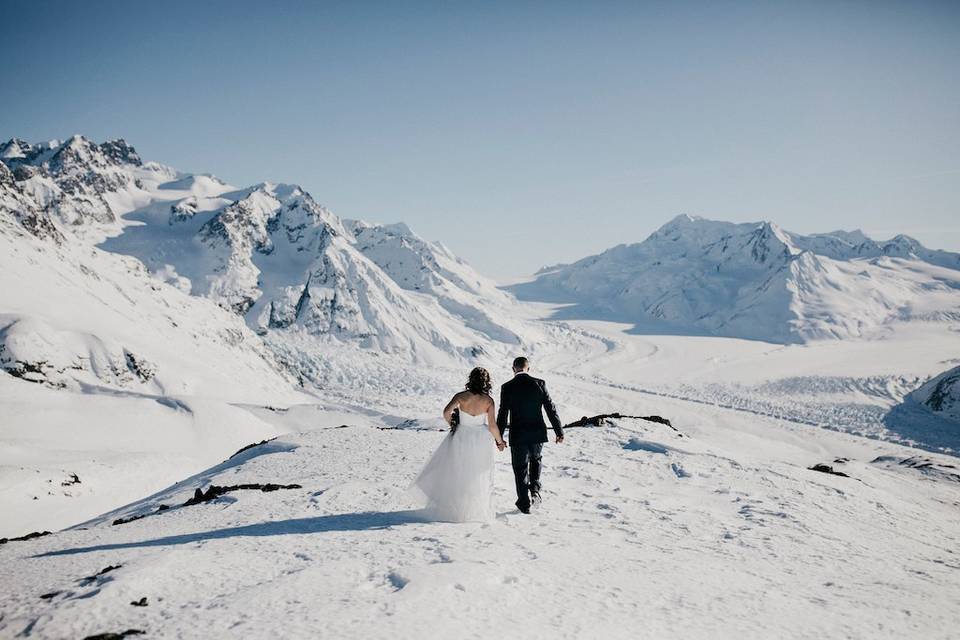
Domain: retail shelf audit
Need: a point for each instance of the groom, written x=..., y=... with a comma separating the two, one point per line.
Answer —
x=521, y=402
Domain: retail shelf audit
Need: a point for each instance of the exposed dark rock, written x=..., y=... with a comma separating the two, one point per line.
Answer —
x=130, y=519
x=120, y=152
x=183, y=210
x=116, y=636
x=31, y=371
x=7, y=177
x=241, y=306
x=142, y=602
x=411, y=424
x=73, y=479
x=29, y=536
x=215, y=491
x=51, y=595
x=40, y=225
x=941, y=394
x=927, y=466
x=825, y=468
x=102, y=572
x=25, y=172
x=600, y=420
x=139, y=367
x=162, y=507
x=275, y=409
x=251, y=446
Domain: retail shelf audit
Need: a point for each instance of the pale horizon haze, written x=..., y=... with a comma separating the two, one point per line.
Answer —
x=521, y=134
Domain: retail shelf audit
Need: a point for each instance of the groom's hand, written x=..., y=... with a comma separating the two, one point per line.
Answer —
x=559, y=439
x=501, y=446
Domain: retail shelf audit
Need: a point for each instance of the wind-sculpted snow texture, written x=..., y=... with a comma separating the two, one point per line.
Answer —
x=759, y=282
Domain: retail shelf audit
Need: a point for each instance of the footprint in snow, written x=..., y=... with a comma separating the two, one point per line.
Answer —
x=396, y=581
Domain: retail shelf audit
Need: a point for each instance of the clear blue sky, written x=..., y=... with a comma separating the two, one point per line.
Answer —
x=521, y=134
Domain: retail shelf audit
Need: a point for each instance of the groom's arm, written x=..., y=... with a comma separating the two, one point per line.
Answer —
x=504, y=411
x=552, y=414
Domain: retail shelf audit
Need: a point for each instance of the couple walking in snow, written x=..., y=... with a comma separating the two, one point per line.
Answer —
x=458, y=478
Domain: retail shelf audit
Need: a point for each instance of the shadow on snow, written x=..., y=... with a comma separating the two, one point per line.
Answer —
x=363, y=521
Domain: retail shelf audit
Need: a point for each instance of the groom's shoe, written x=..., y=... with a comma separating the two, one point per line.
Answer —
x=523, y=506
x=535, y=498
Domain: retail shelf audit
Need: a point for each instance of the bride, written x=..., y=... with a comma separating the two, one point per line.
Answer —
x=458, y=478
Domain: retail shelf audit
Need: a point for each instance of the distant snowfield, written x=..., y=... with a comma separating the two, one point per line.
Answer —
x=720, y=532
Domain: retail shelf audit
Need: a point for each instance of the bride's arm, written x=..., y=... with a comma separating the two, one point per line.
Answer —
x=492, y=424
x=448, y=410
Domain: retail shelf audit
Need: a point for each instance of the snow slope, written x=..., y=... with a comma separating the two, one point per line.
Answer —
x=757, y=281
x=720, y=532
x=109, y=374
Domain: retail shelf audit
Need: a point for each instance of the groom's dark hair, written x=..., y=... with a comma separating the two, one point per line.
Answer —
x=521, y=363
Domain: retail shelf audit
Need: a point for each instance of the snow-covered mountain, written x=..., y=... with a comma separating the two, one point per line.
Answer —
x=941, y=395
x=269, y=253
x=758, y=281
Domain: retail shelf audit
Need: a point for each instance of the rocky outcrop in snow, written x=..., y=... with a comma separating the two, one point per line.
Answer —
x=19, y=213
x=32, y=350
x=758, y=281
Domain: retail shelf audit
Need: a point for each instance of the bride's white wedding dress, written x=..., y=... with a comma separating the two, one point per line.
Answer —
x=458, y=478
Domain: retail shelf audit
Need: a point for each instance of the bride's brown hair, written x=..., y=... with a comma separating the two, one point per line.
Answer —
x=479, y=381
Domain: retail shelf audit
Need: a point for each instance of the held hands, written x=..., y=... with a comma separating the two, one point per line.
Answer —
x=559, y=439
x=501, y=445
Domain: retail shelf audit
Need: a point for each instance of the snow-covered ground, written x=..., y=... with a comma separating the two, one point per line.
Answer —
x=722, y=531
x=152, y=323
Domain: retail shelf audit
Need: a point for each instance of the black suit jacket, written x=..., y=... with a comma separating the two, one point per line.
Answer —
x=522, y=401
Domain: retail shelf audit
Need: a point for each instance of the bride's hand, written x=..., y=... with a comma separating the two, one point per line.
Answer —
x=501, y=445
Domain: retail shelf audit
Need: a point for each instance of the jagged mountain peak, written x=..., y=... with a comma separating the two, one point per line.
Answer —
x=79, y=186
x=119, y=152
x=14, y=148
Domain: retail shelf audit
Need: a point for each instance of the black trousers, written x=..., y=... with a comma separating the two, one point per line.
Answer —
x=525, y=457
